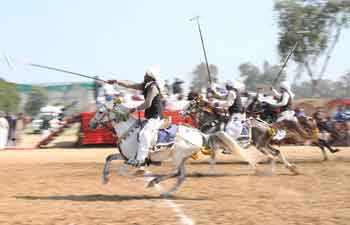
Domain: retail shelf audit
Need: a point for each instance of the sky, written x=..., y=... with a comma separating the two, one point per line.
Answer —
x=116, y=39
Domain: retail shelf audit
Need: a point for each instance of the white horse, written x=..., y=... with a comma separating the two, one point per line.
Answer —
x=188, y=141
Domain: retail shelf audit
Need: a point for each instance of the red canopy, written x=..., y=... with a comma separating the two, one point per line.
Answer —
x=338, y=102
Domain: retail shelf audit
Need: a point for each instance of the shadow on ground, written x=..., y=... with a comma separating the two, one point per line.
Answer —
x=103, y=198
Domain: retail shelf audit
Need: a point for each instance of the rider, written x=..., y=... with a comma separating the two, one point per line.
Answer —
x=284, y=105
x=284, y=102
x=235, y=108
x=152, y=90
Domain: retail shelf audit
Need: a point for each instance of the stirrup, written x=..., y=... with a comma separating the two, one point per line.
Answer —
x=135, y=163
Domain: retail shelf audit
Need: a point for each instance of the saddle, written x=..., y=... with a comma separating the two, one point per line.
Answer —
x=165, y=138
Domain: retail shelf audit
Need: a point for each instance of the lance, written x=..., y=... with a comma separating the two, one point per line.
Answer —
x=285, y=63
x=203, y=47
x=288, y=57
x=28, y=63
x=64, y=71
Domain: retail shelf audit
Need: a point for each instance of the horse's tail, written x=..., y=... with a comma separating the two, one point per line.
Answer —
x=251, y=156
x=293, y=126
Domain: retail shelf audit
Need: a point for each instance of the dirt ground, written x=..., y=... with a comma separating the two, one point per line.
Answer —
x=63, y=186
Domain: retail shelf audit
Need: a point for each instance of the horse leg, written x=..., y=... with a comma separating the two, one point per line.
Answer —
x=161, y=178
x=179, y=173
x=328, y=146
x=281, y=156
x=106, y=167
x=212, y=161
x=320, y=144
x=232, y=145
x=180, y=179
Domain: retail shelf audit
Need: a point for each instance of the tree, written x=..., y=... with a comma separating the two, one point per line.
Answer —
x=9, y=97
x=200, y=78
x=327, y=88
x=254, y=77
x=38, y=97
x=322, y=22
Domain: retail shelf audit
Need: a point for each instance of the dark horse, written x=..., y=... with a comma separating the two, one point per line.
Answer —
x=308, y=125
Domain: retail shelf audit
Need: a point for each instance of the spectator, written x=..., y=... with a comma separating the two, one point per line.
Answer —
x=106, y=93
x=4, y=128
x=177, y=86
x=12, y=121
x=19, y=128
x=167, y=87
x=45, y=127
x=340, y=115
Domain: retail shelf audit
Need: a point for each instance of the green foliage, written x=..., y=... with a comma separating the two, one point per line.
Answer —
x=254, y=77
x=321, y=22
x=37, y=98
x=9, y=97
x=317, y=18
x=200, y=78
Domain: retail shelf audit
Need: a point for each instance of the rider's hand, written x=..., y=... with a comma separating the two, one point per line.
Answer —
x=112, y=81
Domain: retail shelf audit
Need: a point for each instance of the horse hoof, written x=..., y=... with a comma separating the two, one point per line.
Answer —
x=225, y=152
x=150, y=184
x=335, y=150
x=293, y=168
x=140, y=172
x=165, y=195
x=105, y=180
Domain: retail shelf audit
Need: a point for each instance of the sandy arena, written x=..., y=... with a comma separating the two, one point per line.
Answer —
x=63, y=186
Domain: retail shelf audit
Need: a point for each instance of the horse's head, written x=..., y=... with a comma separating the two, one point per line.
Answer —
x=255, y=108
x=193, y=107
x=110, y=111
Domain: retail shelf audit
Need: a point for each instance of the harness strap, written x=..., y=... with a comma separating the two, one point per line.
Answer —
x=141, y=125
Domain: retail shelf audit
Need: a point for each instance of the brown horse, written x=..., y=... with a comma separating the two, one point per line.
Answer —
x=304, y=130
x=260, y=132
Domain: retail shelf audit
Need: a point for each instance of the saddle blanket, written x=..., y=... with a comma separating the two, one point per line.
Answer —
x=167, y=136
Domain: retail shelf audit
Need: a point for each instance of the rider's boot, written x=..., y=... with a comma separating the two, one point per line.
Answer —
x=135, y=162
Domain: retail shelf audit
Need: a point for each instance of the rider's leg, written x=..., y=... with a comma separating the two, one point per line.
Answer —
x=234, y=127
x=146, y=138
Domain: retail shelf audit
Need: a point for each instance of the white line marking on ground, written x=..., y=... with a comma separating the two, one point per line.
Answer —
x=184, y=219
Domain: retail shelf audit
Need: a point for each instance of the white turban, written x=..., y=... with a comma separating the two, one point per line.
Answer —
x=154, y=72
x=287, y=87
x=239, y=86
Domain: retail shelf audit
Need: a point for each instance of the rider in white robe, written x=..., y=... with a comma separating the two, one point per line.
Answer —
x=4, y=128
x=152, y=87
x=285, y=100
x=234, y=105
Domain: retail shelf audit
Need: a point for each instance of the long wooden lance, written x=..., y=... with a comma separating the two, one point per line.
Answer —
x=285, y=63
x=28, y=63
x=289, y=55
x=203, y=47
x=64, y=71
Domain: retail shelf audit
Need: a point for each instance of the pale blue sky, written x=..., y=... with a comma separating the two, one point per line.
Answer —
x=120, y=39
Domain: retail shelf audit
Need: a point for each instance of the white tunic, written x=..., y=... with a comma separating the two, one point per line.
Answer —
x=4, y=128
